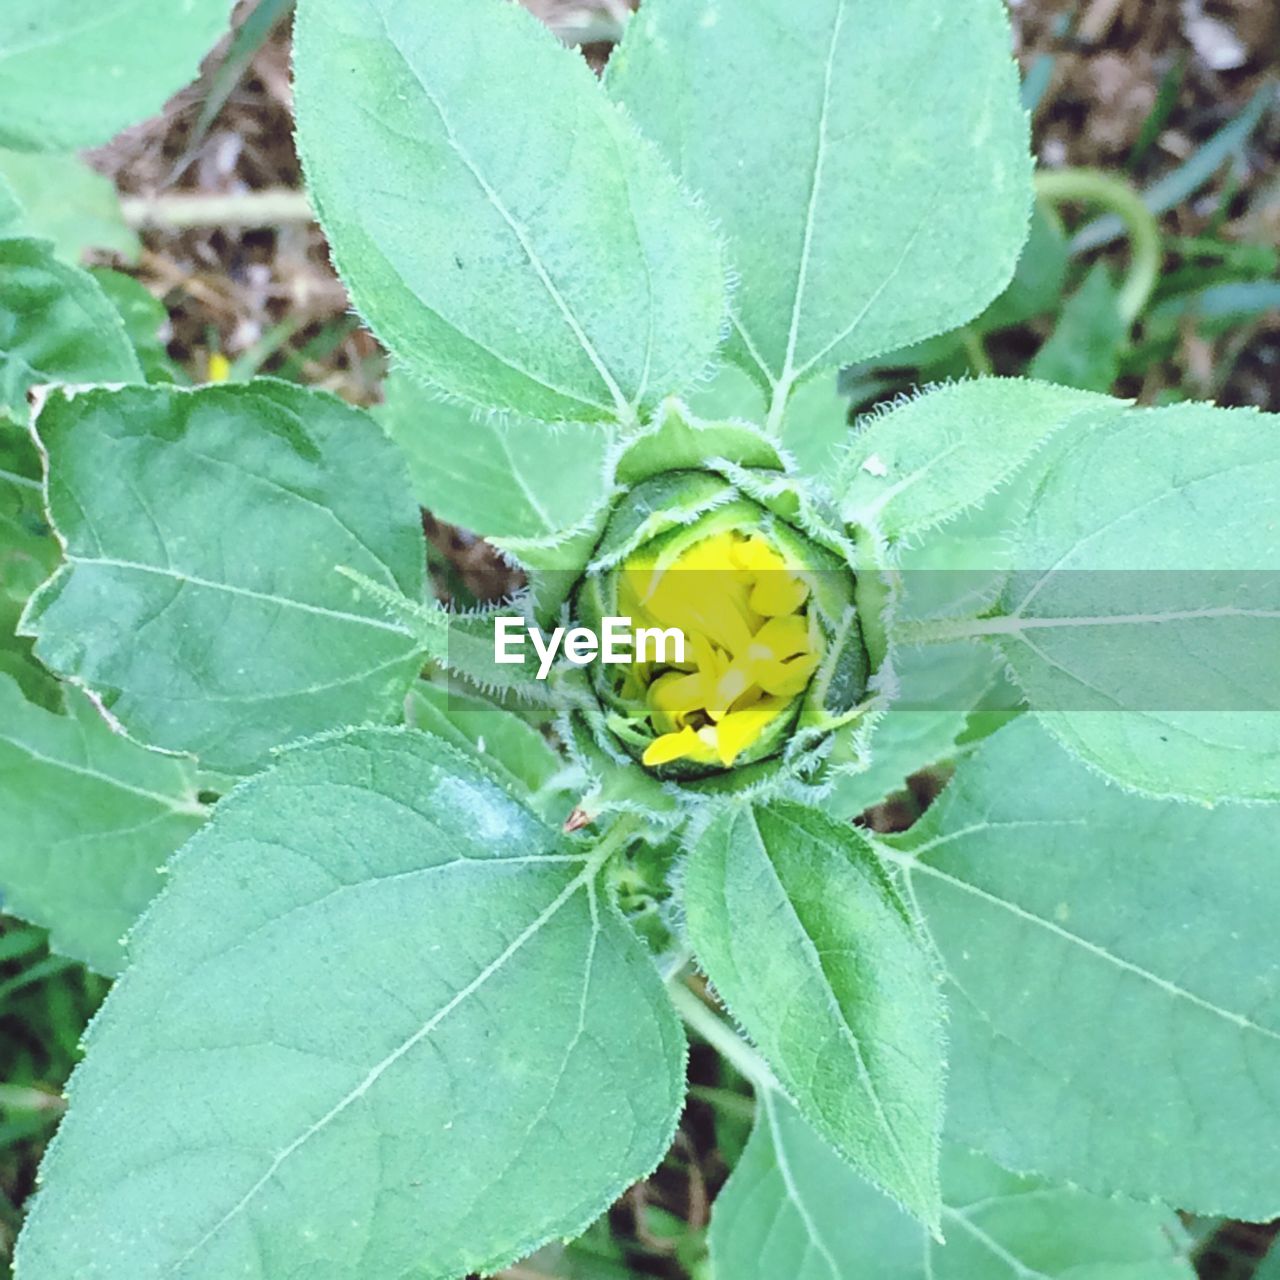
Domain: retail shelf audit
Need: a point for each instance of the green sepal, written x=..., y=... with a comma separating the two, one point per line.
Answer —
x=672, y=500
x=616, y=783
x=677, y=440
x=460, y=643
x=553, y=565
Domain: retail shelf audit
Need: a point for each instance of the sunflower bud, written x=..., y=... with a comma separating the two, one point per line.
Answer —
x=748, y=645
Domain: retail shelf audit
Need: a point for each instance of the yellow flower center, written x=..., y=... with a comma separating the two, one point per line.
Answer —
x=750, y=648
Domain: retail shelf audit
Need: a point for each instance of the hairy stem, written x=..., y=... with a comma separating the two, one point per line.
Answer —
x=721, y=1036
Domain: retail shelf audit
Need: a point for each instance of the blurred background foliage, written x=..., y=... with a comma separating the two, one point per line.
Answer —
x=1153, y=271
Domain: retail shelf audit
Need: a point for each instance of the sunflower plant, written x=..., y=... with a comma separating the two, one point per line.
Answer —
x=409, y=940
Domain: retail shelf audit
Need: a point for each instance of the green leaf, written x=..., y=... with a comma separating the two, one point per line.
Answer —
x=72, y=77
x=960, y=571
x=381, y=1024
x=938, y=688
x=924, y=462
x=815, y=956
x=10, y=209
x=55, y=326
x=1038, y=282
x=815, y=429
x=28, y=554
x=87, y=818
x=201, y=598
x=793, y=1209
x=1084, y=350
x=1144, y=623
x=510, y=747
x=144, y=317
x=498, y=477
x=65, y=201
x=430, y=174
x=1115, y=970
x=729, y=393
x=844, y=150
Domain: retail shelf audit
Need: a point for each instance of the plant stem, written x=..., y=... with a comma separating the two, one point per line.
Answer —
x=721, y=1036
x=176, y=212
x=615, y=838
x=976, y=352
x=726, y=1100
x=1089, y=186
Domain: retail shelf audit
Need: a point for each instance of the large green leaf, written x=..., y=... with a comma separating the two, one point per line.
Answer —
x=928, y=460
x=86, y=820
x=72, y=75
x=503, y=228
x=816, y=957
x=1115, y=977
x=867, y=163
x=28, y=554
x=1144, y=621
x=65, y=201
x=938, y=686
x=381, y=1024
x=510, y=747
x=498, y=477
x=201, y=598
x=792, y=1208
x=55, y=326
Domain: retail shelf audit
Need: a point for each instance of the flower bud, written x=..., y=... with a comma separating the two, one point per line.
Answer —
x=771, y=656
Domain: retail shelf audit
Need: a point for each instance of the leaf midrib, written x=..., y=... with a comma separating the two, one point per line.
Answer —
x=622, y=405
x=495, y=966
x=834, y=1005
x=910, y=864
x=178, y=575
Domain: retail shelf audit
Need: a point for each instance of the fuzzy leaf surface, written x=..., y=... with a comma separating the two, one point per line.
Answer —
x=56, y=325
x=87, y=818
x=867, y=163
x=1115, y=977
x=938, y=687
x=379, y=1025
x=793, y=1208
x=509, y=746
x=521, y=246
x=498, y=477
x=814, y=954
x=926, y=461
x=1144, y=619
x=200, y=598
x=73, y=76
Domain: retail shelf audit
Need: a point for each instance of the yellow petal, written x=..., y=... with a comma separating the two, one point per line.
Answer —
x=756, y=554
x=742, y=729
x=777, y=594
x=685, y=745
x=781, y=638
x=728, y=689
x=672, y=697
x=787, y=679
